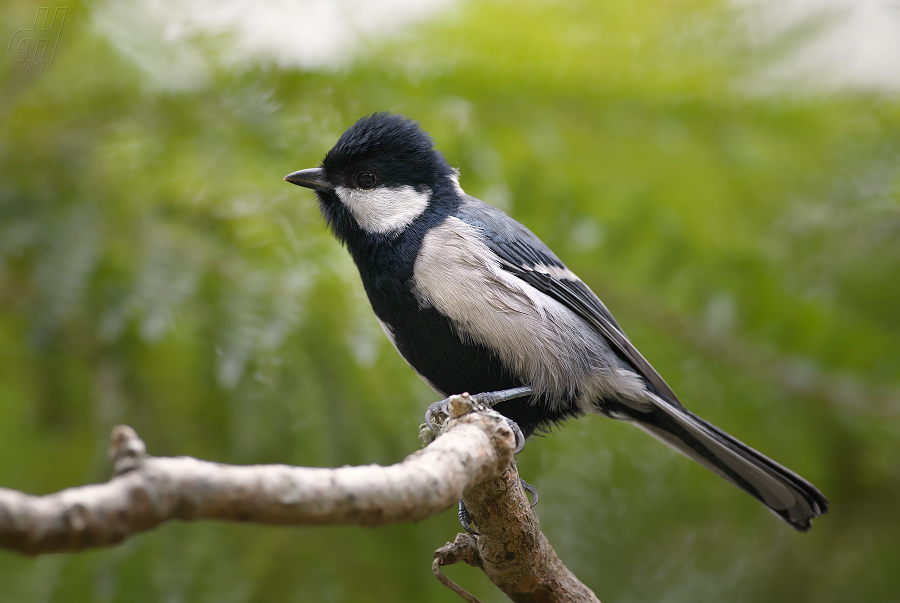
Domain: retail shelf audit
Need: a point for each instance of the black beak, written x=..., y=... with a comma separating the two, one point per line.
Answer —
x=311, y=178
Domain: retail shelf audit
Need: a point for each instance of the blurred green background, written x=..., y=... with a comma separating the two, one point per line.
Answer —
x=728, y=187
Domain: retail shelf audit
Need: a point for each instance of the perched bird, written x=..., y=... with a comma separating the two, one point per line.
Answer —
x=475, y=302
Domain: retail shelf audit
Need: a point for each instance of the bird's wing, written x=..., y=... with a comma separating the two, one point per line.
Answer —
x=524, y=255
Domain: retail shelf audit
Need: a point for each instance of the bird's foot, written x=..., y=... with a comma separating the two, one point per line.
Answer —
x=440, y=410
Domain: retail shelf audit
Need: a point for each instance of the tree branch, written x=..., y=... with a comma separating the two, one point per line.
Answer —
x=513, y=552
x=474, y=455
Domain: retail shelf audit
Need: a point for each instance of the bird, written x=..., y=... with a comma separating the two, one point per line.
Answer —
x=475, y=302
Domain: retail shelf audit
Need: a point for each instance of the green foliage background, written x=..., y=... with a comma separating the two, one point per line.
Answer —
x=156, y=271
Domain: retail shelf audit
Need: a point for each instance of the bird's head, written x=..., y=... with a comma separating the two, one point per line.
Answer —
x=380, y=176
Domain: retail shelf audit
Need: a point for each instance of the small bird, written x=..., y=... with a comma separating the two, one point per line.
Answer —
x=475, y=302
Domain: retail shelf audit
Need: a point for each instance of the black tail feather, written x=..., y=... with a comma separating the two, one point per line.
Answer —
x=786, y=494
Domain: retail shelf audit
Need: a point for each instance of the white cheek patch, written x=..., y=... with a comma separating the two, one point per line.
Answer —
x=384, y=210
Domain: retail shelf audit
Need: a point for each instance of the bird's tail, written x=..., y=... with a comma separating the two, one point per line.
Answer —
x=785, y=493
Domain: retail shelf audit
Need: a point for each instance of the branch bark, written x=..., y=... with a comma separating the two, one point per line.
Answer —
x=473, y=456
x=513, y=552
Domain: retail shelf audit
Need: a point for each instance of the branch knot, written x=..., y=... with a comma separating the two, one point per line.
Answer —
x=127, y=451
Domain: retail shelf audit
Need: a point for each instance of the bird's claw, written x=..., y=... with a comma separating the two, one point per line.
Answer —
x=437, y=409
x=517, y=432
x=465, y=520
x=531, y=490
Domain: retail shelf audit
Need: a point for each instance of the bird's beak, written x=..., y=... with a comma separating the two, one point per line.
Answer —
x=311, y=178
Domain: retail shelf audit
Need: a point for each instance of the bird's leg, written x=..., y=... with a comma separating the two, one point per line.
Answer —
x=491, y=399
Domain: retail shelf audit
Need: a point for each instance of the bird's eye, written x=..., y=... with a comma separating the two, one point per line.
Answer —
x=366, y=180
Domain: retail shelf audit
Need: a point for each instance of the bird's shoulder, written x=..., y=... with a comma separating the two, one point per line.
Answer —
x=506, y=236
x=522, y=253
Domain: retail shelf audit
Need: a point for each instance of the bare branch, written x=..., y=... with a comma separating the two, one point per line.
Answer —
x=464, y=549
x=473, y=456
x=147, y=491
